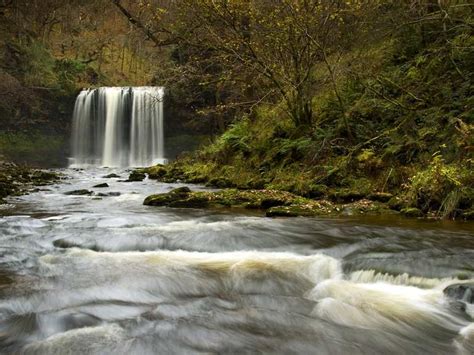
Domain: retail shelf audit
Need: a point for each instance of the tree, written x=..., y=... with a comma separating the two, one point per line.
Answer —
x=279, y=42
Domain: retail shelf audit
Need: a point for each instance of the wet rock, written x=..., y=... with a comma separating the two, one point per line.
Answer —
x=82, y=192
x=136, y=176
x=412, y=212
x=107, y=194
x=102, y=185
x=111, y=176
x=461, y=291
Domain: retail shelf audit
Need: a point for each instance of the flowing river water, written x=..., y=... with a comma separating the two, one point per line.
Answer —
x=107, y=275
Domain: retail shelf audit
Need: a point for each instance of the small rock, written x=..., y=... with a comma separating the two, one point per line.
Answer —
x=82, y=192
x=110, y=176
x=102, y=185
x=107, y=194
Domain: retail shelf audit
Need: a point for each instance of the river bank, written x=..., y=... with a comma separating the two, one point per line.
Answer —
x=309, y=199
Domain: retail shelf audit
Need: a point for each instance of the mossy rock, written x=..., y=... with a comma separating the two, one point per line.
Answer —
x=136, y=176
x=412, y=212
x=193, y=201
x=165, y=199
x=156, y=172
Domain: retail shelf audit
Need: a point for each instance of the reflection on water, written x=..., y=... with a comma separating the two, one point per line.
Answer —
x=88, y=274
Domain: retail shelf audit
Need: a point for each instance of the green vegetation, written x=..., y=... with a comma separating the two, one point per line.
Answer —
x=390, y=117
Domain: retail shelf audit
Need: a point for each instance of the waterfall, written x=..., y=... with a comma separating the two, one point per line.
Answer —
x=118, y=127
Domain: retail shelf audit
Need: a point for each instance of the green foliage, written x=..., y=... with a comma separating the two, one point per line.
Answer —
x=236, y=137
x=441, y=187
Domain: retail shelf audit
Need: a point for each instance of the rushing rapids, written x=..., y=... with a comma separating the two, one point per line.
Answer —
x=107, y=275
x=118, y=127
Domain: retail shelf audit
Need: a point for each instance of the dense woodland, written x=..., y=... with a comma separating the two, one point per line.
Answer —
x=325, y=99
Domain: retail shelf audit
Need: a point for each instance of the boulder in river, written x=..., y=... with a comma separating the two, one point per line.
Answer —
x=461, y=291
x=111, y=176
x=181, y=193
x=136, y=176
x=102, y=185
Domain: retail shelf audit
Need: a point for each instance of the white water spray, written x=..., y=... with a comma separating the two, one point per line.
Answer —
x=118, y=127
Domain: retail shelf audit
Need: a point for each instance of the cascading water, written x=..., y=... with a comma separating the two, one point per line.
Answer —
x=118, y=127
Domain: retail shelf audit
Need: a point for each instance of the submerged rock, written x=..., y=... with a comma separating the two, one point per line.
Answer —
x=461, y=291
x=107, y=194
x=102, y=185
x=82, y=192
x=111, y=176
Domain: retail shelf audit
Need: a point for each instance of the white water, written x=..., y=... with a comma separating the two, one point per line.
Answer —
x=118, y=127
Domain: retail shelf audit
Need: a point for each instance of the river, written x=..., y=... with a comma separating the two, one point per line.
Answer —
x=107, y=275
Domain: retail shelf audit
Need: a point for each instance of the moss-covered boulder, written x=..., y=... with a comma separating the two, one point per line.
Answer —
x=164, y=199
x=136, y=176
x=156, y=172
